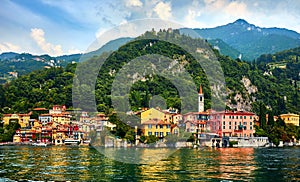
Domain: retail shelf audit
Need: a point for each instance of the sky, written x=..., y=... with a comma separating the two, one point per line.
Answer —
x=71, y=26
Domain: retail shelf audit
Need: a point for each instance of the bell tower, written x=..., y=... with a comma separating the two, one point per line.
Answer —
x=200, y=100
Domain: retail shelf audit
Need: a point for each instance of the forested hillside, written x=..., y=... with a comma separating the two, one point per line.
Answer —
x=248, y=84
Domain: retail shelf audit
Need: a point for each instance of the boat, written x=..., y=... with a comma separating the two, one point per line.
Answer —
x=71, y=141
x=40, y=144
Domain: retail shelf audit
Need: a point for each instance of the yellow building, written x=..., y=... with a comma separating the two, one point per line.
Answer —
x=156, y=114
x=22, y=119
x=290, y=118
x=62, y=118
x=159, y=128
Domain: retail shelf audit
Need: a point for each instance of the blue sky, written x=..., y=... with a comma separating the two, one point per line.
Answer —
x=70, y=26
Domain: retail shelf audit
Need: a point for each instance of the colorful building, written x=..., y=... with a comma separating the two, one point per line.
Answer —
x=159, y=128
x=229, y=123
x=152, y=114
x=195, y=122
x=290, y=118
x=22, y=119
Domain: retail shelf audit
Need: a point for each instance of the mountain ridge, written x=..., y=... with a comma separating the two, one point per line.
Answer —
x=249, y=39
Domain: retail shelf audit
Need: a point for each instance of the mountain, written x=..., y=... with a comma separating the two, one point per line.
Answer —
x=247, y=84
x=252, y=41
x=224, y=48
x=7, y=55
x=25, y=63
x=109, y=46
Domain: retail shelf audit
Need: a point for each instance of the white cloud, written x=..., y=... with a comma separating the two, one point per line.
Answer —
x=38, y=36
x=133, y=3
x=8, y=47
x=163, y=10
x=237, y=9
x=191, y=19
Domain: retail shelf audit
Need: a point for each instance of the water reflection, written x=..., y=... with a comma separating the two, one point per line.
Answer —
x=86, y=164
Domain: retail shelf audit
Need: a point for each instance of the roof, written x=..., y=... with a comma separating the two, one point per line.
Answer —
x=40, y=109
x=200, y=89
x=233, y=113
x=155, y=121
x=289, y=114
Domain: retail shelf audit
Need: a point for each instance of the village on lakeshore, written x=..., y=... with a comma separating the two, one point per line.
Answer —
x=60, y=126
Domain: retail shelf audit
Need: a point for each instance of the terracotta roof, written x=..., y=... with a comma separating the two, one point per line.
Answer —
x=234, y=113
x=200, y=89
x=155, y=121
x=40, y=109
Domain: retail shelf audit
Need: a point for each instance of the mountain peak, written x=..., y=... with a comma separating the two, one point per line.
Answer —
x=240, y=21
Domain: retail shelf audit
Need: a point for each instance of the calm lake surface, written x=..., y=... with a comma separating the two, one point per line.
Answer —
x=87, y=164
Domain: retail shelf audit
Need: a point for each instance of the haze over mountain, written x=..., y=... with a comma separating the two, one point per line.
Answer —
x=237, y=40
x=252, y=41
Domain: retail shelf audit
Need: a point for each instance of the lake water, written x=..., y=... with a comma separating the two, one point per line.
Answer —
x=87, y=164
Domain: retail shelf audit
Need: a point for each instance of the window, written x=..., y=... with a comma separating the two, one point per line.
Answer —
x=241, y=117
x=250, y=117
x=250, y=127
x=237, y=117
x=161, y=134
x=156, y=126
x=161, y=126
x=223, y=127
x=245, y=135
x=149, y=133
x=250, y=134
x=149, y=125
x=245, y=117
x=168, y=133
x=250, y=123
x=229, y=117
x=168, y=126
x=229, y=122
x=156, y=134
x=223, y=122
x=230, y=127
x=245, y=123
x=175, y=131
x=234, y=123
x=224, y=117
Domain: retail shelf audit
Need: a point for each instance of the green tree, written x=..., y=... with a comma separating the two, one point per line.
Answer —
x=262, y=115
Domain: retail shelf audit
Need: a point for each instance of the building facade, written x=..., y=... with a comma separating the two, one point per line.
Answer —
x=290, y=118
x=229, y=123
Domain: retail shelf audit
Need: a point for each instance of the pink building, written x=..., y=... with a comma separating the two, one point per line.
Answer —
x=228, y=123
x=195, y=122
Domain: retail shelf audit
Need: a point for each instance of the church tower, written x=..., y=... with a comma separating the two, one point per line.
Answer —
x=200, y=100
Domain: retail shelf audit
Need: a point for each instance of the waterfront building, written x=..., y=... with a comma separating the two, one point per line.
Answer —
x=152, y=113
x=22, y=119
x=196, y=122
x=290, y=118
x=232, y=123
x=159, y=128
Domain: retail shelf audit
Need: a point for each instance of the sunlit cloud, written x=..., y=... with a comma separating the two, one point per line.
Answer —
x=8, y=47
x=133, y=3
x=163, y=10
x=38, y=36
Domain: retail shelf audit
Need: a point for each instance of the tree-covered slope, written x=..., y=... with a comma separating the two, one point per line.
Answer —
x=247, y=84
